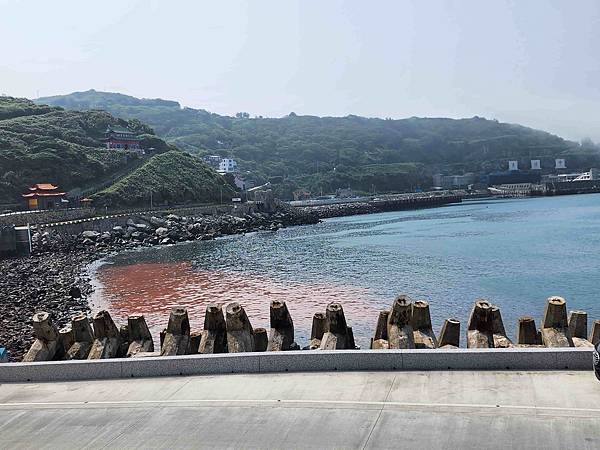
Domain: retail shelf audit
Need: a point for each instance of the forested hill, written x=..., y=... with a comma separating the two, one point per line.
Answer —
x=47, y=144
x=324, y=153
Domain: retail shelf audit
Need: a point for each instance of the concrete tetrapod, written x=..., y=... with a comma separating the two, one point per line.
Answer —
x=177, y=336
x=194, y=342
x=240, y=336
x=336, y=334
x=595, y=333
x=214, y=335
x=281, y=335
x=83, y=337
x=261, y=339
x=479, y=328
x=423, y=334
x=107, y=338
x=450, y=334
x=124, y=345
x=380, y=339
x=319, y=323
x=578, y=328
x=499, y=337
x=527, y=333
x=555, y=328
x=140, y=339
x=66, y=339
x=46, y=343
x=399, y=328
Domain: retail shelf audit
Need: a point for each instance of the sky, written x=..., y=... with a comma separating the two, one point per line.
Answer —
x=534, y=62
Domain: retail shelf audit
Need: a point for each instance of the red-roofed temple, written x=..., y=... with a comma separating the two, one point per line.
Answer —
x=45, y=196
x=121, y=138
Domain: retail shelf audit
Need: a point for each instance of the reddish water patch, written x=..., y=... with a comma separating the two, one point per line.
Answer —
x=153, y=289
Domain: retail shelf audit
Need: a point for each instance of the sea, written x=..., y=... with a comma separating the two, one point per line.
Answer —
x=513, y=252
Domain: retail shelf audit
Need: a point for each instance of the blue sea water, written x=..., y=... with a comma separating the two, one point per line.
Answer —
x=513, y=252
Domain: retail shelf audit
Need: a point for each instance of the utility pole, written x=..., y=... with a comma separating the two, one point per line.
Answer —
x=221, y=189
x=151, y=205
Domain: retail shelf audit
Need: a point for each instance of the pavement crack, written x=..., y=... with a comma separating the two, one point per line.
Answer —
x=380, y=412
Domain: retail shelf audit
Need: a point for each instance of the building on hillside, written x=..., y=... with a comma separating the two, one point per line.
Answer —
x=301, y=194
x=45, y=196
x=212, y=160
x=121, y=139
x=344, y=193
x=453, y=181
x=242, y=182
x=513, y=177
x=227, y=165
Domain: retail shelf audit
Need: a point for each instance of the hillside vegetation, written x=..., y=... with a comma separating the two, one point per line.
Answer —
x=173, y=177
x=41, y=143
x=324, y=153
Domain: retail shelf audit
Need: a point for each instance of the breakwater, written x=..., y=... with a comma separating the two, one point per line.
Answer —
x=382, y=204
x=406, y=325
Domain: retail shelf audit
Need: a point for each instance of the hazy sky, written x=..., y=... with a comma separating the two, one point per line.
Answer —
x=532, y=62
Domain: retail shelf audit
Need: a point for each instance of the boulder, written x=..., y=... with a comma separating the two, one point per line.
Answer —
x=158, y=222
x=161, y=231
x=89, y=234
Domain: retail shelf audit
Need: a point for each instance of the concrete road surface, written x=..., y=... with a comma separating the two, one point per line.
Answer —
x=415, y=410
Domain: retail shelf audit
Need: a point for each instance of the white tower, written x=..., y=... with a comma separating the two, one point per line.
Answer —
x=560, y=164
x=535, y=164
x=513, y=165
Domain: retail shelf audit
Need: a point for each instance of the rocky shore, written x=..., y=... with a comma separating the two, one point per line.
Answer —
x=54, y=278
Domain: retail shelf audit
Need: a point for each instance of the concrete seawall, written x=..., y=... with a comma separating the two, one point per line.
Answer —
x=382, y=204
x=302, y=361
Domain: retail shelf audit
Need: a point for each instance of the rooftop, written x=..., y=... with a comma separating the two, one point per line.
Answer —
x=43, y=187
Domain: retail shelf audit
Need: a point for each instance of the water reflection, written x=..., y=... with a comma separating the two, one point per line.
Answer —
x=153, y=289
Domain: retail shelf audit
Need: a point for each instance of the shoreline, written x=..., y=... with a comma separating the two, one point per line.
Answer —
x=56, y=277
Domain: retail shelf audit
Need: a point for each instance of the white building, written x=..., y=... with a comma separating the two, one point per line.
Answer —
x=213, y=161
x=227, y=165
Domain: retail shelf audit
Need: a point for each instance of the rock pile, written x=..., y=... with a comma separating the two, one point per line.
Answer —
x=149, y=231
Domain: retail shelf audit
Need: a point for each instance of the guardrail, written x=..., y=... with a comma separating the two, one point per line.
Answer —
x=302, y=361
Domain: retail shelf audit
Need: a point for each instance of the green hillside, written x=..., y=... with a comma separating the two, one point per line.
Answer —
x=324, y=153
x=50, y=144
x=173, y=177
